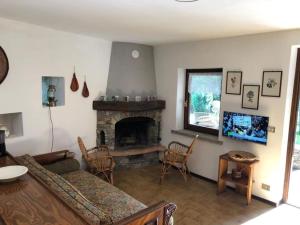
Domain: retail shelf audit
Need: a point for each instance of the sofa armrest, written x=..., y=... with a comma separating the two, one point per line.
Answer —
x=158, y=214
x=2, y=221
x=52, y=157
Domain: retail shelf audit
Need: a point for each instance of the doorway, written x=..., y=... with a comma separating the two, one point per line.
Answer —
x=292, y=177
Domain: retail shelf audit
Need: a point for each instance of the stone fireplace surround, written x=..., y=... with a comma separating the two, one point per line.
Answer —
x=110, y=113
x=107, y=120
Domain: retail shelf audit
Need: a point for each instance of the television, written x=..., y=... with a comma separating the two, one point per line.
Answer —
x=246, y=127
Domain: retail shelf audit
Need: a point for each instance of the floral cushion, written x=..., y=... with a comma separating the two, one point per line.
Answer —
x=114, y=202
x=66, y=192
x=63, y=166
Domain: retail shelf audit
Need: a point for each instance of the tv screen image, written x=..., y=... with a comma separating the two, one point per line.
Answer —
x=246, y=127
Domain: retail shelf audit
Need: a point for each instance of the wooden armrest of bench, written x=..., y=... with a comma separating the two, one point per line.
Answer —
x=158, y=214
x=2, y=221
x=52, y=157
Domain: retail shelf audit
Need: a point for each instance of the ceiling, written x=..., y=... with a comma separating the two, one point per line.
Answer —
x=157, y=21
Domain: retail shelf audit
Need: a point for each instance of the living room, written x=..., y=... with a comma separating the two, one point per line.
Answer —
x=133, y=59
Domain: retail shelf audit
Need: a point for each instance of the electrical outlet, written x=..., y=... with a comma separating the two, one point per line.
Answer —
x=265, y=187
x=271, y=129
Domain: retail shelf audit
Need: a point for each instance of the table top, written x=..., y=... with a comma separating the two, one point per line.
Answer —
x=26, y=201
x=226, y=157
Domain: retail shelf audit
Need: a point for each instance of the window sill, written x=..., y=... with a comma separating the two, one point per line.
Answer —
x=205, y=137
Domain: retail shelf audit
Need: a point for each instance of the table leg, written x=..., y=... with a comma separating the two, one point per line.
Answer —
x=250, y=184
x=223, y=165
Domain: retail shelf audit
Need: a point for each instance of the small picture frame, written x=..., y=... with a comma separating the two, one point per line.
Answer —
x=234, y=82
x=271, y=83
x=250, y=97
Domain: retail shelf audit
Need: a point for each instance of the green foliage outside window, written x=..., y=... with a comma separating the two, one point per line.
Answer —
x=203, y=91
x=201, y=102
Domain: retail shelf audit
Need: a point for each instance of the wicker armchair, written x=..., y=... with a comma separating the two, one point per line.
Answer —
x=98, y=159
x=177, y=155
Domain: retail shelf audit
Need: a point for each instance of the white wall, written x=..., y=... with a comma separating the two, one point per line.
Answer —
x=35, y=51
x=251, y=54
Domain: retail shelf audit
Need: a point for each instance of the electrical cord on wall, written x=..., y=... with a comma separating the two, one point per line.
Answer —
x=52, y=130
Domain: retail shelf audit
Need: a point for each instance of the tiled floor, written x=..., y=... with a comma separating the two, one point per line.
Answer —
x=294, y=196
x=197, y=201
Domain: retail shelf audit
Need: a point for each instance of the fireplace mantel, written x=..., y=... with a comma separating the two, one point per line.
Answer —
x=129, y=106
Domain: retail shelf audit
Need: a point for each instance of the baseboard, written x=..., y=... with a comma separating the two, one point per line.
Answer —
x=232, y=188
x=274, y=204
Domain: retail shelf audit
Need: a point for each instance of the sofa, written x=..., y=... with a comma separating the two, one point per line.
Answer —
x=97, y=201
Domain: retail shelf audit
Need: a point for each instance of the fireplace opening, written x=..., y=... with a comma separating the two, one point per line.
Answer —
x=135, y=132
x=102, y=138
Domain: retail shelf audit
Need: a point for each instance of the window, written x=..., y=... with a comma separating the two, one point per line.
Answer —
x=202, y=100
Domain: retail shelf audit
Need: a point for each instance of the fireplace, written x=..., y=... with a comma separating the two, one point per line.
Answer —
x=135, y=132
x=130, y=126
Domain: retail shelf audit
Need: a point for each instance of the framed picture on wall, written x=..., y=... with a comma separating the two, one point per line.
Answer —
x=234, y=82
x=250, y=97
x=271, y=83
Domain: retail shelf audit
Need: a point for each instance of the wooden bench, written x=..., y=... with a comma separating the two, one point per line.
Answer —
x=31, y=193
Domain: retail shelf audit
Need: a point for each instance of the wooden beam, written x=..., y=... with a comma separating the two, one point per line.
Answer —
x=129, y=106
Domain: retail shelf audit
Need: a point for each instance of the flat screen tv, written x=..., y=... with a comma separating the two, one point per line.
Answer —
x=246, y=127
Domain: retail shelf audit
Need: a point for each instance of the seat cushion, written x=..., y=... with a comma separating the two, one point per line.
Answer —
x=174, y=156
x=63, y=166
x=114, y=202
x=66, y=191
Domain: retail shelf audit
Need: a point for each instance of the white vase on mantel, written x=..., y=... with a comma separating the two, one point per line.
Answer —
x=6, y=130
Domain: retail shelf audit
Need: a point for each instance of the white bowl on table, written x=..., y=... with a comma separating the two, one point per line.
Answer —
x=11, y=173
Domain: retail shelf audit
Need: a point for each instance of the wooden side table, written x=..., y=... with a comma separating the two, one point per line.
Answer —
x=244, y=184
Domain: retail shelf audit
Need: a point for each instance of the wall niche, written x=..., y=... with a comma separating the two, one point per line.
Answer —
x=53, y=91
x=12, y=123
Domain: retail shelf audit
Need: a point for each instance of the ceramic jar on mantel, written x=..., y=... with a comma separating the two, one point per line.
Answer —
x=103, y=98
x=138, y=98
